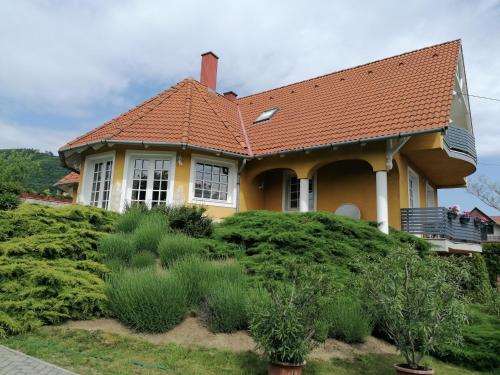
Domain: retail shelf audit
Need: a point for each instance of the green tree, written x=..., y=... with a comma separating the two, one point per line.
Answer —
x=418, y=301
x=17, y=167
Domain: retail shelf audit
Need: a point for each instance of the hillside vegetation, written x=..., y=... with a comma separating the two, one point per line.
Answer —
x=45, y=171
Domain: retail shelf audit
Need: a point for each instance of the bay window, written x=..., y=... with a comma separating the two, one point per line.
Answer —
x=97, y=180
x=149, y=178
x=213, y=181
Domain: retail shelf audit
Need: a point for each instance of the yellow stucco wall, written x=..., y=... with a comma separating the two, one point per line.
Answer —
x=343, y=176
x=350, y=181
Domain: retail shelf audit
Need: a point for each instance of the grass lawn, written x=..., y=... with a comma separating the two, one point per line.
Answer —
x=102, y=353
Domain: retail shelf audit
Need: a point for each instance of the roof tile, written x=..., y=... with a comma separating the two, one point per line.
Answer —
x=406, y=93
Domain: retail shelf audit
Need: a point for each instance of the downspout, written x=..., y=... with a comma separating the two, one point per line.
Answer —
x=240, y=169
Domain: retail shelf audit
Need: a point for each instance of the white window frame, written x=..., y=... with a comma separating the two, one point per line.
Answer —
x=88, y=173
x=231, y=181
x=285, y=201
x=412, y=173
x=429, y=189
x=128, y=172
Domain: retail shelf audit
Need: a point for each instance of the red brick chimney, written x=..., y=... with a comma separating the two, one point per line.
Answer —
x=208, y=75
x=231, y=95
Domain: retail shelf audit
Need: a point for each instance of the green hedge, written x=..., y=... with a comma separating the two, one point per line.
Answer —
x=269, y=244
x=481, y=346
x=50, y=268
x=491, y=253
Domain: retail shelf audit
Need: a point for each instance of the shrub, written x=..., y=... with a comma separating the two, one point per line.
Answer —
x=117, y=246
x=29, y=220
x=196, y=275
x=225, y=308
x=417, y=301
x=129, y=221
x=147, y=301
x=480, y=348
x=269, y=243
x=286, y=323
x=36, y=292
x=48, y=268
x=178, y=246
x=150, y=231
x=347, y=320
x=491, y=253
x=199, y=276
x=190, y=220
x=477, y=286
x=9, y=195
x=143, y=260
x=493, y=305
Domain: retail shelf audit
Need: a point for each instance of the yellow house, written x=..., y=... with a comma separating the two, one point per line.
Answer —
x=373, y=142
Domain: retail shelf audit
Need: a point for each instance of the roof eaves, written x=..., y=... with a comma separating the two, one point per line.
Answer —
x=352, y=142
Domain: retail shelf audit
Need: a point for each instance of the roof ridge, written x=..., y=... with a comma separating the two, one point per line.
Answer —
x=165, y=95
x=226, y=123
x=186, y=124
x=244, y=129
x=348, y=69
x=172, y=88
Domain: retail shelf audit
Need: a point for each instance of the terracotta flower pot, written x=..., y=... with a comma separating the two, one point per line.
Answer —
x=279, y=368
x=403, y=370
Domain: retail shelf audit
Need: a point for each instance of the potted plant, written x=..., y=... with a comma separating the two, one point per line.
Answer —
x=287, y=324
x=418, y=303
x=465, y=217
x=453, y=211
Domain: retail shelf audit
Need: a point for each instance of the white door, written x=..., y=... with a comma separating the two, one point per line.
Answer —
x=413, y=191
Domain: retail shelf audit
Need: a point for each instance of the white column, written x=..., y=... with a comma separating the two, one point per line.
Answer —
x=304, y=195
x=382, y=202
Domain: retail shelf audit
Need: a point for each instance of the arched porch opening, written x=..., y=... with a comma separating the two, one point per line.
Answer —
x=347, y=181
x=266, y=191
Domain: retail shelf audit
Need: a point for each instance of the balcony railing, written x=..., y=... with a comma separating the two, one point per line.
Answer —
x=436, y=223
x=492, y=238
x=461, y=140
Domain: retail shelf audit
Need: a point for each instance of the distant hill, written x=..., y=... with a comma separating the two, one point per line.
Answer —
x=51, y=170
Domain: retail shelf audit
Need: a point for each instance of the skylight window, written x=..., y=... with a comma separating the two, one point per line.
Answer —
x=266, y=115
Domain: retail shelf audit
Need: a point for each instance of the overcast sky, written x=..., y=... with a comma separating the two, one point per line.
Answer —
x=66, y=66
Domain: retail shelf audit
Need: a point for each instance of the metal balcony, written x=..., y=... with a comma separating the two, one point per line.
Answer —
x=436, y=223
x=462, y=141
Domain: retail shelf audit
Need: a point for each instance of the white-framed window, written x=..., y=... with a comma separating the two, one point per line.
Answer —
x=291, y=192
x=213, y=181
x=97, y=180
x=413, y=189
x=430, y=195
x=148, y=178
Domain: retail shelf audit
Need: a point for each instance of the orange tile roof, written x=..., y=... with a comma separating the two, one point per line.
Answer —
x=71, y=178
x=408, y=93
x=496, y=219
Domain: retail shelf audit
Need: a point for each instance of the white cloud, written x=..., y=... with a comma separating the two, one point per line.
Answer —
x=17, y=136
x=69, y=57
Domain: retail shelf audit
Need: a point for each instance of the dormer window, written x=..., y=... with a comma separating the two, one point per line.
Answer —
x=266, y=115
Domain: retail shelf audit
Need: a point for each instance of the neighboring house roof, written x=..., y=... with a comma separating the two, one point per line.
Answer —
x=476, y=212
x=71, y=178
x=405, y=94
